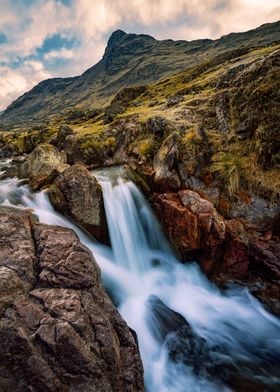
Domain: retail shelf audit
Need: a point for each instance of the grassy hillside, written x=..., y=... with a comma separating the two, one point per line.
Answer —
x=131, y=59
x=222, y=114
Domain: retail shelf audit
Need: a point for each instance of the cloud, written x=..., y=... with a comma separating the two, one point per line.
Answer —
x=50, y=38
x=14, y=82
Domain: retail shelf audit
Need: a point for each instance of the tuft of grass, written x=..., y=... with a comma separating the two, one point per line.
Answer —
x=229, y=167
x=144, y=146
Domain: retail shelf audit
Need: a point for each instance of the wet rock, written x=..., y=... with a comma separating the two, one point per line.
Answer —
x=165, y=164
x=236, y=260
x=162, y=320
x=59, y=331
x=77, y=194
x=43, y=165
x=183, y=345
x=192, y=224
x=265, y=253
x=220, y=246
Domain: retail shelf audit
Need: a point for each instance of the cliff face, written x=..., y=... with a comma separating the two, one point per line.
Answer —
x=129, y=59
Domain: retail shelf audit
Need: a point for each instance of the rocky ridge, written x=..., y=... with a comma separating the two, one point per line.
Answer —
x=129, y=60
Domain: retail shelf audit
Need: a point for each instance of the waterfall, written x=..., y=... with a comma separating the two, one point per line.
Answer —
x=157, y=295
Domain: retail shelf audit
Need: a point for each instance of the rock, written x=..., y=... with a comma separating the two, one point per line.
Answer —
x=220, y=246
x=255, y=211
x=63, y=132
x=161, y=320
x=208, y=190
x=192, y=224
x=183, y=345
x=17, y=248
x=43, y=165
x=59, y=331
x=73, y=150
x=165, y=162
x=222, y=111
x=236, y=260
x=122, y=101
x=77, y=194
x=174, y=100
x=265, y=254
x=156, y=126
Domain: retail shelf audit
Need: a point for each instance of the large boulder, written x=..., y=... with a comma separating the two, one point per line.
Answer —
x=192, y=224
x=43, y=165
x=221, y=247
x=77, y=194
x=59, y=330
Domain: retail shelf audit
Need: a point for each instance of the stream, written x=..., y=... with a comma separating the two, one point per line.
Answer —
x=192, y=335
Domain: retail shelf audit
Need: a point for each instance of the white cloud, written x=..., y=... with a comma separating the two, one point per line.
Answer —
x=15, y=82
x=60, y=54
x=90, y=21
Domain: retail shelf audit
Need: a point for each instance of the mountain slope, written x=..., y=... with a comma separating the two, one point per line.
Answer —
x=129, y=59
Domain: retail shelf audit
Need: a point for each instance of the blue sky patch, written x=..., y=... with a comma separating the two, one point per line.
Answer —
x=3, y=38
x=68, y=3
x=57, y=42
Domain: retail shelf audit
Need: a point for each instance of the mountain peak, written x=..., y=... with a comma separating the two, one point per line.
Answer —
x=116, y=37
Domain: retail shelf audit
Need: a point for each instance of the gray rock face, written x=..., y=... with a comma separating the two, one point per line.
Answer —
x=166, y=176
x=257, y=213
x=43, y=165
x=77, y=194
x=59, y=330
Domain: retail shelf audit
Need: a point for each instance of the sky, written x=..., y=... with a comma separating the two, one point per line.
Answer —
x=40, y=39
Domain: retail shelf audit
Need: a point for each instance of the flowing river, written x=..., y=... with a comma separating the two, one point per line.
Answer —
x=225, y=331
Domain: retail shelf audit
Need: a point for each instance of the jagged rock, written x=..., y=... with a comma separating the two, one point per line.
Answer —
x=77, y=194
x=220, y=246
x=209, y=191
x=236, y=259
x=164, y=164
x=43, y=165
x=59, y=330
x=156, y=125
x=222, y=111
x=255, y=211
x=184, y=346
x=265, y=253
x=192, y=224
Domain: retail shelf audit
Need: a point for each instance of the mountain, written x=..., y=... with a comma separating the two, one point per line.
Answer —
x=129, y=59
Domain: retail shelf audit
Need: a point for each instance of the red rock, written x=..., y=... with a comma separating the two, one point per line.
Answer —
x=192, y=224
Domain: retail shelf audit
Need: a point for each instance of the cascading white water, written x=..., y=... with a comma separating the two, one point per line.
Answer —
x=140, y=267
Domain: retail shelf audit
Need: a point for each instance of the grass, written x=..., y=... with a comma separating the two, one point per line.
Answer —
x=229, y=168
x=231, y=160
